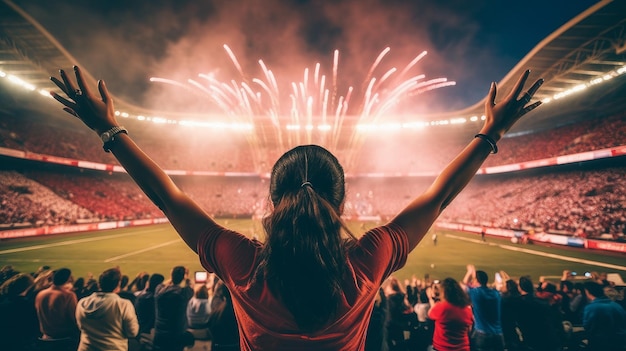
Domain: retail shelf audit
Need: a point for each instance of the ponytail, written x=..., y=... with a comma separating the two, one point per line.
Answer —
x=304, y=257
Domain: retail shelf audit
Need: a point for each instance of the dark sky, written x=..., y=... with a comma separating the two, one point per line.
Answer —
x=470, y=42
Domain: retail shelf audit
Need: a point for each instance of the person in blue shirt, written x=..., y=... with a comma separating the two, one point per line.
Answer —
x=486, y=305
x=604, y=320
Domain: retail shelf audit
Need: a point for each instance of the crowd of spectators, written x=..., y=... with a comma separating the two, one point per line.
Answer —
x=177, y=147
x=25, y=201
x=108, y=197
x=511, y=314
x=50, y=308
x=172, y=147
x=429, y=150
x=588, y=203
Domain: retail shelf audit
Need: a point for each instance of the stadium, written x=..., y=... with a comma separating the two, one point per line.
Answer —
x=551, y=204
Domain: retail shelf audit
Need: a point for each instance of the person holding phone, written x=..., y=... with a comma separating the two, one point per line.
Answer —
x=452, y=315
x=277, y=305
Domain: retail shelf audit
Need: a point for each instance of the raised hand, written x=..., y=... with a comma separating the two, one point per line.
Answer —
x=97, y=113
x=501, y=116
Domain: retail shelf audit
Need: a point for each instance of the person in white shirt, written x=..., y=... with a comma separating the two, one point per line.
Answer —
x=106, y=321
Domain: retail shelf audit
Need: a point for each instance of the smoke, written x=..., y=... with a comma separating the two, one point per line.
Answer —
x=290, y=36
x=126, y=43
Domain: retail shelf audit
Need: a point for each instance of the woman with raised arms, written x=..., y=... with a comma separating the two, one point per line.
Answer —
x=311, y=284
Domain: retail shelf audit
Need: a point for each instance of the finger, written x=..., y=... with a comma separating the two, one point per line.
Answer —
x=59, y=84
x=63, y=100
x=104, y=92
x=519, y=86
x=71, y=112
x=69, y=86
x=535, y=87
x=491, y=96
x=81, y=82
x=531, y=107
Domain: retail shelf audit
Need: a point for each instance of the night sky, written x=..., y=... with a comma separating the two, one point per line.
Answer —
x=470, y=42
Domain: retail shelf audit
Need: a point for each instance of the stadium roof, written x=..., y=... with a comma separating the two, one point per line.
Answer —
x=583, y=51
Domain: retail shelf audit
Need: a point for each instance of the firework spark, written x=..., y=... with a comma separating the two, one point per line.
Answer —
x=315, y=111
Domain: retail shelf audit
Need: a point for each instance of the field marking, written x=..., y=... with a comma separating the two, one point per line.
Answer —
x=70, y=242
x=141, y=251
x=540, y=253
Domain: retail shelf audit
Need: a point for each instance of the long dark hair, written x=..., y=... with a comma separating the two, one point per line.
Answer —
x=304, y=257
x=454, y=293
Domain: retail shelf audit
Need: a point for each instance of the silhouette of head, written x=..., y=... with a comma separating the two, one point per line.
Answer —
x=61, y=276
x=110, y=279
x=178, y=274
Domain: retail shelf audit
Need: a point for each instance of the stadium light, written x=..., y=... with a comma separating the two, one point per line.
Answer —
x=326, y=127
x=16, y=80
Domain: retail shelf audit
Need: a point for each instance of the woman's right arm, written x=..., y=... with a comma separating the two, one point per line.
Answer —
x=189, y=220
x=417, y=218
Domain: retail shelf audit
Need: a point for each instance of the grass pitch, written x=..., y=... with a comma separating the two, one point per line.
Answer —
x=157, y=248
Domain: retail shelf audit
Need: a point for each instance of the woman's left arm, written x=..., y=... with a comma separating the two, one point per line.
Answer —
x=187, y=217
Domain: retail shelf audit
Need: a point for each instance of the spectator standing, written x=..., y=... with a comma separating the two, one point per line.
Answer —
x=170, y=326
x=124, y=291
x=604, y=320
x=199, y=308
x=399, y=312
x=423, y=336
x=56, y=310
x=566, y=293
x=577, y=304
x=422, y=306
x=541, y=328
x=19, y=327
x=222, y=322
x=453, y=317
x=145, y=304
x=106, y=320
x=511, y=300
x=486, y=306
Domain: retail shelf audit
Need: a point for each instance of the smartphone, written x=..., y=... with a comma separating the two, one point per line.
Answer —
x=587, y=274
x=436, y=281
x=200, y=276
x=574, y=273
x=498, y=277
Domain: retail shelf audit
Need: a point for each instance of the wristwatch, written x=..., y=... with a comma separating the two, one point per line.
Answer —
x=109, y=136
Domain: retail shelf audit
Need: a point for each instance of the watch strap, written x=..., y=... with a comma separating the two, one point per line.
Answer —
x=108, y=137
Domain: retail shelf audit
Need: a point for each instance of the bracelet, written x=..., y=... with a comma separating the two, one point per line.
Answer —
x=488, y=139
x=110, y=135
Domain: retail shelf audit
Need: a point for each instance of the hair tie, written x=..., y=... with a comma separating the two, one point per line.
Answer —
x=306, y=184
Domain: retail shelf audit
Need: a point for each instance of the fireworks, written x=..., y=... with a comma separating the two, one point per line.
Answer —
x=313, y=111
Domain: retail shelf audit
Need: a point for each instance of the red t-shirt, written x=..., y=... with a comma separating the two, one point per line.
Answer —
x=265, y=324
x=452, y=326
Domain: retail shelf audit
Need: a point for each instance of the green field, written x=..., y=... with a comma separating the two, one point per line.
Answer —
x=158, y=248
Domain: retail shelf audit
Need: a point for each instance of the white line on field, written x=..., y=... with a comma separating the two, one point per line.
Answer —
x=142, y=250
x=71, y=242
x=540, y=253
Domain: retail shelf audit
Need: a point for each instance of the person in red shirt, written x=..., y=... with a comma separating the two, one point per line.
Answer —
x=56, y=311
x=453, y=318
x=311, y=284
